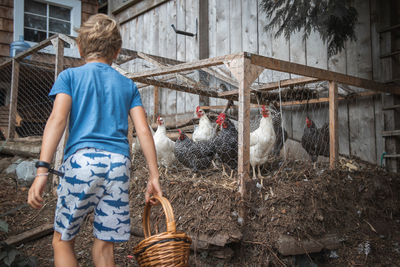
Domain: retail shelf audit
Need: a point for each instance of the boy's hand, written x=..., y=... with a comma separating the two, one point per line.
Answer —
x=35, y=199
x=153, y=188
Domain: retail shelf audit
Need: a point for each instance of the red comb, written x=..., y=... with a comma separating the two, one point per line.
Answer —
x=158, y=118
x=180, y=131
x=263, y=107
x=197, y=108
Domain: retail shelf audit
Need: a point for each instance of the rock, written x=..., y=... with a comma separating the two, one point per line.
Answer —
x=26, y=172
x=11, y=168
x=295, y=151
x=4, y=163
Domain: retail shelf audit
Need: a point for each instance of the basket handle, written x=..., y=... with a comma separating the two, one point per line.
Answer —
x=169, y=216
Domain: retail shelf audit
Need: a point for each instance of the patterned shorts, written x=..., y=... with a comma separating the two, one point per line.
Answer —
x=94, y=180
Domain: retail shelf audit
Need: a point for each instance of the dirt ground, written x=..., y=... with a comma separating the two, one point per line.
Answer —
x=360, y=207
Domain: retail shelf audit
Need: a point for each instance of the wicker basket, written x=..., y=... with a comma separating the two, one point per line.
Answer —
x=169, y=248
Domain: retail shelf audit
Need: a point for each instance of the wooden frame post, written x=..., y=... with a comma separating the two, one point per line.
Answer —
x=12, y=116
x=333, y=124
x=156, y=103
x=59, y=67
x=245, y=73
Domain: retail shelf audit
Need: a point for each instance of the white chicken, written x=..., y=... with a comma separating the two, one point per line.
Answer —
x=261, y=142
x=164, y=146
x=205, y=130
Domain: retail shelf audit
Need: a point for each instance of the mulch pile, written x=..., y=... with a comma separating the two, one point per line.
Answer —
x=361, y=207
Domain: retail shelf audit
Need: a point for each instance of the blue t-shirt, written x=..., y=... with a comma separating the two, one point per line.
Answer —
x=101, y=100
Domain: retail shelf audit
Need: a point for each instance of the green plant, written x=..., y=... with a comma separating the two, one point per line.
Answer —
x=334, y=20
x=10, y=256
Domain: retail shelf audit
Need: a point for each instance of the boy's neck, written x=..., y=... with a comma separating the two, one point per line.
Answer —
x=98, y=60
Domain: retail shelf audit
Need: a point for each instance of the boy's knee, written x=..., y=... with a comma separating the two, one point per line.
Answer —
x=57, y=242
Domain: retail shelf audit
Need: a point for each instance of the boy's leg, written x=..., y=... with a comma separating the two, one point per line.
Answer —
x=64, y=254
x=103, y=253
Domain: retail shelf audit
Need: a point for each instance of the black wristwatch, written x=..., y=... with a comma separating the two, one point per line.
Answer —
x=44, y=164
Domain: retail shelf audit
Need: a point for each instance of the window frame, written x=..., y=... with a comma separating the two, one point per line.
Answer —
x=74, y=5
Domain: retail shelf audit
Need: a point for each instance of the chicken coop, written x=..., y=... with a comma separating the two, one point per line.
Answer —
x=311, y=98
x=240, y=100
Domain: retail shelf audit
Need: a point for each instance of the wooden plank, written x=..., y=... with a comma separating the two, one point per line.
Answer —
x=180, y=51
x=156, y=102
x=31, y=234
x=13, y=99
x=6, y=37
x=391, y=133
x=203, y=41
x=276, y=64
x=236, y=32
x=170, y=51
x=392, y=156
x=245, y=73
x=333, y=125
x=6, y=12
x=391, y=107
x=177, y=87
x=187, y=66
x=192, y=49
x=274, y=85
x=58, y=159
x=6, y=25
x=390, y=28
x=138, y=9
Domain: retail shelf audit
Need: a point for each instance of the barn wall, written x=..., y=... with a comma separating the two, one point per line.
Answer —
x=235, y=26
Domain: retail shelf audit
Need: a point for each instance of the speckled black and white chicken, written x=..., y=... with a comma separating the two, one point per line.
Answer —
x=226, y=143
x=194, y=155
x=280, y=138
x=315, y=141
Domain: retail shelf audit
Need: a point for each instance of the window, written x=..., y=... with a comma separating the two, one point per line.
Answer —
x=37, y=20
x=41, y=20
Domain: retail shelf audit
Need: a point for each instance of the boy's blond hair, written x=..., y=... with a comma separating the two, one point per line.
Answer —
x=99, y=37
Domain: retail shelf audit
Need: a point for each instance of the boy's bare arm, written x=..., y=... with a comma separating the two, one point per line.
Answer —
x=138, y=117
x=53, y=131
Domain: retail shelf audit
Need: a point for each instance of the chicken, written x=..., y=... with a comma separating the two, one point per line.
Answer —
x=315, y=141
x=205, y=129
x=194, y=155
x=164, y=146
x=262, y=141
x=280, y=138
x=226, y=143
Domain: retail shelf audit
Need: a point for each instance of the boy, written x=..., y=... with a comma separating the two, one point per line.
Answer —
x=97, y=100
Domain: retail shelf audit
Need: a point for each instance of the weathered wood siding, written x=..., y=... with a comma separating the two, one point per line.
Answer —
x=235, y=26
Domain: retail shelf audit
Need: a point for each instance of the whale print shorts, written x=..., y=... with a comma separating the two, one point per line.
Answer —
x=94, y=180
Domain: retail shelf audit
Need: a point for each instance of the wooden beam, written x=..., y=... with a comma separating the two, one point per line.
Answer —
x=245, y=73
x=204, y=63
x=333, y=124
x=13, y=99
x=177, y=87
x=156, y=102
x=274, y=85
x=157, y=63
x=326, y=99
x=59, y=67
x=286, y=66
x=31, y=234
